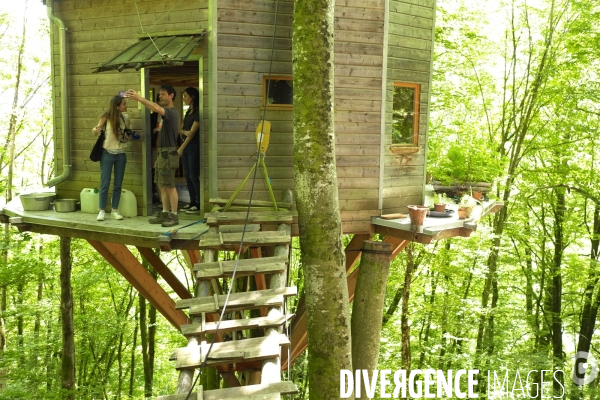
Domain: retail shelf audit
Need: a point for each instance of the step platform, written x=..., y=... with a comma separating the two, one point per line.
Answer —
x=251, y=392
x=250, y=266
x=237, y=301
x=234, y=351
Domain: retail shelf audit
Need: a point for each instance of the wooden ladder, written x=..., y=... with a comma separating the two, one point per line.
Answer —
x=242, y=353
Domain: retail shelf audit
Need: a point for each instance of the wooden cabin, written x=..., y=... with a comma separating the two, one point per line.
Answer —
x=242, y=64
x=383, y=55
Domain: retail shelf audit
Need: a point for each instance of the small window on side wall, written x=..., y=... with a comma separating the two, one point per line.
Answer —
x=280, y=92
x=405, y=116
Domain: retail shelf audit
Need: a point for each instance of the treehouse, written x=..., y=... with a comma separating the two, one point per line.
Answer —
x=239, y=55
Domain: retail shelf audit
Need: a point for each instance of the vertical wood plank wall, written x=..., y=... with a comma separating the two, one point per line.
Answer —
x=244, y=39
x=359, y=34
x=100, y=29
x=409, y=60
x=96, y=31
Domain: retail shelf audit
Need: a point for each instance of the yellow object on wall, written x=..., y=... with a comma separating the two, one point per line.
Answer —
x=262, y=141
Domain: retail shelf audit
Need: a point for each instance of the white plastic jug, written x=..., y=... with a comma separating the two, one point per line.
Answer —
x=128, y=204
x=89, y=200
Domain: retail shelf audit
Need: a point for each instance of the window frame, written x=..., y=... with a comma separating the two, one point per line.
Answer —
x=264, y=93
x=416, y=110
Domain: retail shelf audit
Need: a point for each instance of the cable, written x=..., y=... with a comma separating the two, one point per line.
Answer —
x=147, y=32
x=246, y=219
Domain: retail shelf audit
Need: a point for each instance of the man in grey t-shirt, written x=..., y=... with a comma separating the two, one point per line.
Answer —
x=168, y=158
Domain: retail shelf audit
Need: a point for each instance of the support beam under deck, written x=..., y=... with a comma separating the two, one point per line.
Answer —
x=127, y=265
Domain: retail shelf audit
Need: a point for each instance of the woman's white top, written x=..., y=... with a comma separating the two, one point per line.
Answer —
x=111, y=142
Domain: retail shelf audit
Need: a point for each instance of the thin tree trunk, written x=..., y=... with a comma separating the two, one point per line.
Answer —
x=393, y=306
x=20, y=333
x=132, y=371
x=322, y=250
x=367, y=309
x=427, y=322
x=66, y=311
x=591, y=302
x=404, y=325
x=12, y=125
x=556, y=327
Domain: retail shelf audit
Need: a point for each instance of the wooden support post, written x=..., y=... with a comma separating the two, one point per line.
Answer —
x=131, y=269
x=259, y=279
x=271, y=368
x=353, y=249
x=367, y=309
x=186, y=376
x=299, y=338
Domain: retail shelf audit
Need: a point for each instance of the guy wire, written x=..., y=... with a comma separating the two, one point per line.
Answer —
x=247, y=214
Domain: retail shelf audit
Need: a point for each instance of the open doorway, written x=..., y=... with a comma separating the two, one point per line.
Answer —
x=187, y=74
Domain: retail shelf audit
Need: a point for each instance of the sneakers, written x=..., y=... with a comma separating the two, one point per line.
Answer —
x=161, y=217
x=115, y=214
x=101, y=215
x=187, y=207
x=172, y=220
x=192, y=210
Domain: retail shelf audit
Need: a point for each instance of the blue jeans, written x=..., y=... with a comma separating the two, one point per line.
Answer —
x=106, y=166
x=191, y=164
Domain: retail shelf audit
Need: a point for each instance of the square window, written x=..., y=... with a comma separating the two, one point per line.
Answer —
x=280, y=92
x=405, y=115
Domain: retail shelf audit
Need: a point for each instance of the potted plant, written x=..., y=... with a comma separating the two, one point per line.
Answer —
x=466, y=206
x=464, y=165
x=439, y=202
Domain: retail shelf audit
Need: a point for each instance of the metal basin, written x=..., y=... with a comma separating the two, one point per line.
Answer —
x=37, y=201
x=65, y=205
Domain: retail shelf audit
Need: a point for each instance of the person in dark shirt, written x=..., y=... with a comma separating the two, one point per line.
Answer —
x=168, y=158
x=190, y=148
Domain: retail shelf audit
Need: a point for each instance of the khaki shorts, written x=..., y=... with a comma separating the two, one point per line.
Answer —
x=166, y=165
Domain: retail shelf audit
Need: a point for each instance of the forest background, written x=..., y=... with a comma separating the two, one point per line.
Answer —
x=515, y=93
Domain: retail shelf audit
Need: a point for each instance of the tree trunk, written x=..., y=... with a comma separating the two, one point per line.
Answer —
x=12, y=125
x=591, y=303
x=322, y=250
x=404, y=326
x=556, y=327
x=393, y=306
x=427, y=323
x=367, y=309
x=132, y=373
x=66, y=311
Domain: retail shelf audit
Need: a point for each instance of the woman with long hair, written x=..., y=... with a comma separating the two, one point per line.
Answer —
x=114, y=122
x=190, y=148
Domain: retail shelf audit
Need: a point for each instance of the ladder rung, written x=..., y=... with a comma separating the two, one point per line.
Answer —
x=245, y=267
x=230, y=352
x=237, y=301
x=228, y=240
x=235, y=325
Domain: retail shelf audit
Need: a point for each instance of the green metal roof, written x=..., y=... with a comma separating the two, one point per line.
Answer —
x=160, y=51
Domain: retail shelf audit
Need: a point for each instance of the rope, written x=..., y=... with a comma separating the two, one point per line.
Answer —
x=143, y=31
x=245, y=221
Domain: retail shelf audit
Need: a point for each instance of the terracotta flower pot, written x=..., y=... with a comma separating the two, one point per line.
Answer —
x=439, y=207
x=417, y=214
x=462, y=213
x=477, y=195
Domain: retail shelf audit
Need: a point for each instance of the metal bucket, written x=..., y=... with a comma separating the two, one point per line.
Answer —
x=65, y=205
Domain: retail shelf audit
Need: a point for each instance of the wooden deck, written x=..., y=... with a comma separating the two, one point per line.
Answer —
x=135, y=231
x=435, y=228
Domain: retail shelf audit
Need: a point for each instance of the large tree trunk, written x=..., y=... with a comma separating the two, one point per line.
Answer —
x=66, y=311
x=367, y=310
x=323, y=258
